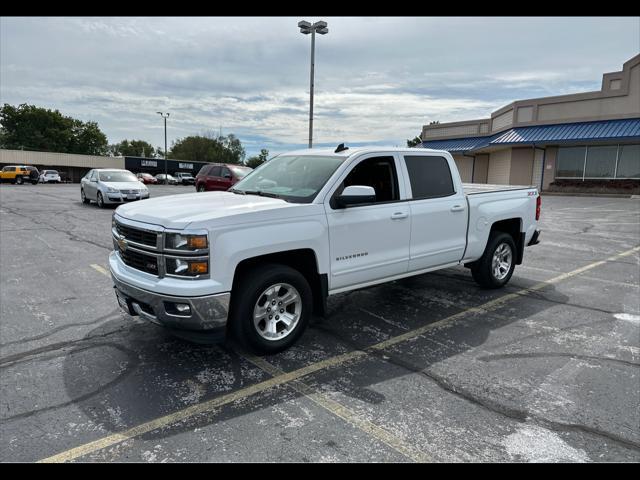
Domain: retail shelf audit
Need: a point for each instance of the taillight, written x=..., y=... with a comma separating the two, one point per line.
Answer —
x=538, y=207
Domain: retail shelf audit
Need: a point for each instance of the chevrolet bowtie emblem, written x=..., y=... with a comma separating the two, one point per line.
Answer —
x=122, y=243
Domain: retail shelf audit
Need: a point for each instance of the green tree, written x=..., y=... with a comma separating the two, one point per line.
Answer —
x=258, y=160
x=28, y=127
x=416, y=141
x=207, y=148
x=133, y=148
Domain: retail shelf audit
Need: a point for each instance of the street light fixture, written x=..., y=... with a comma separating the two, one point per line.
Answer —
x=307, y=28
x=165, y=115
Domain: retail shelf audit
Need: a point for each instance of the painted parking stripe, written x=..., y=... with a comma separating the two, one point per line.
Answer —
x=99, y=269
x=343, y=412
x=210, y=405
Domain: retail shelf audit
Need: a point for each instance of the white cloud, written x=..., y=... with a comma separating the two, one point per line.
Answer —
x=377, y=79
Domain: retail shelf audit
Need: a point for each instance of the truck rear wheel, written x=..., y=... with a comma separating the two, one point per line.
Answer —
x=271, y=307
x=19, y=180
x=495, y=267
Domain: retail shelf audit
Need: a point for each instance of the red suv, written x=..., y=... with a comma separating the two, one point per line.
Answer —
x=220, y=176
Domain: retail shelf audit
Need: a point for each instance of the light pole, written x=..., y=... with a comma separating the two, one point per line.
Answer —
x=308, y=28
x=165, y=115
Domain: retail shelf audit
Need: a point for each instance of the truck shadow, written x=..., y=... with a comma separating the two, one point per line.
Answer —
x=168, y=374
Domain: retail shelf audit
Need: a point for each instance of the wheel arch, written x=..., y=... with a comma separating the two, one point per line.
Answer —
x=512, y=226
x=303, y=260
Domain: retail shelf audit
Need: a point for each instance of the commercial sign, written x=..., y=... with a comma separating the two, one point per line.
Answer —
x=186, y=165
x=148, y=163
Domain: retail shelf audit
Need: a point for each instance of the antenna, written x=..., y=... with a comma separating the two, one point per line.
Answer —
x=341, y=148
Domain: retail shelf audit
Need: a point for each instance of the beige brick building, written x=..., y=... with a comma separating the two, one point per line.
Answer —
x=579, y=137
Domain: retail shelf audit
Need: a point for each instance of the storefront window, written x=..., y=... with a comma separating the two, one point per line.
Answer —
x=629, y=161
x=601, y=161
x=570, y=163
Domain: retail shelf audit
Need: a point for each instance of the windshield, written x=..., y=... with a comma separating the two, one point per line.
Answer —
x=293, y=178
x=240, y=172
x=117, y=176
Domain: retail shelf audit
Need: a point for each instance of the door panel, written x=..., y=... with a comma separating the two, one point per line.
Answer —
x=438, y=231
x=438, y=212
x=369, y=242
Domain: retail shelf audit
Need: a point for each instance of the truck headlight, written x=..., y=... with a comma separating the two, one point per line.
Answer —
x=179, y=241
x=187, y=267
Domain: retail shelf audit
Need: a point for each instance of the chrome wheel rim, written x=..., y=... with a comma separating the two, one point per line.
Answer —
x=82, y=195
x=501, y=262
x=277, y=311
x=99, y=197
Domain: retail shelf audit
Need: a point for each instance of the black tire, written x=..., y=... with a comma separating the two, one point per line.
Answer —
x=99, y=200
x=482, y=270
x=84, y=197
x=200, y=188
x=19, y=180
x=34, y=182
x=249, y=291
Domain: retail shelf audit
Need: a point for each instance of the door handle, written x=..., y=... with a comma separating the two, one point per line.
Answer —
x=457, y=208
x=399, y=215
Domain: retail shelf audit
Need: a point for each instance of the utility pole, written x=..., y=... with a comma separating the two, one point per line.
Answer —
x=163, y=115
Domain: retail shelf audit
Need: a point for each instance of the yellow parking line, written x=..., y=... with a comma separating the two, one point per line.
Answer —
x=343, y=412
x=193, y=410
x=99, y=269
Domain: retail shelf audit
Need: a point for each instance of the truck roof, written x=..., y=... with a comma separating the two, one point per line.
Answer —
x=365, y=149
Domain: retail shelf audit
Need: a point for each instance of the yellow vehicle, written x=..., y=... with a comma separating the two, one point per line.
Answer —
x=19, y=174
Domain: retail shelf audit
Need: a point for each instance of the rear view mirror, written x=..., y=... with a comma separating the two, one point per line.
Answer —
x=356, y=195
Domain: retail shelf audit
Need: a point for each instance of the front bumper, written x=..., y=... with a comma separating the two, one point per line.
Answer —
x=123, y=198
x=205, y=323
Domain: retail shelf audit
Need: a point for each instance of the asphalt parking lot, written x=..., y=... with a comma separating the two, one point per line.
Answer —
x=430, y=368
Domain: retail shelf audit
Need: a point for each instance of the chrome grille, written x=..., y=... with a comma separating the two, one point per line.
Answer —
x=137, y=235
x=139, y=260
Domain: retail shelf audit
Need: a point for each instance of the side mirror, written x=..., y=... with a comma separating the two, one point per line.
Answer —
x=356, y=195
x=95, y=180
x=227, y=175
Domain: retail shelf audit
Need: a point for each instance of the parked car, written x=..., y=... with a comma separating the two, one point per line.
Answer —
x=109, y=186
x=170, y=179
x=309, y=224
x=220, y=176
x=50, y=176
x=146, y=178
x=185, y=178
x=19, y=174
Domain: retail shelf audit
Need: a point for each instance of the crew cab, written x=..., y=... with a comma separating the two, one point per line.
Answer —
x=256, y=261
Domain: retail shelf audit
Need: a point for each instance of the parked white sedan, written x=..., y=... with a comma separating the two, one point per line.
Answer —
x=109, y=186
x=50, y=176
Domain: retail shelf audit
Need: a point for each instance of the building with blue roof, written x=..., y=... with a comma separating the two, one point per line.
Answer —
x=580, y=137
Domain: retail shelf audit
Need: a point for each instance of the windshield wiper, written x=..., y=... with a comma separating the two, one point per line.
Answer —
x=238, y=192
x=262, y=193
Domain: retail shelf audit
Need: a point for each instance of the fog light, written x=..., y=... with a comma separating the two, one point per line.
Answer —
x=183, y=308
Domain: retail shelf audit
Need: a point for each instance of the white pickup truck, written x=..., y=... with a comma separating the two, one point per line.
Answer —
x=258, y=260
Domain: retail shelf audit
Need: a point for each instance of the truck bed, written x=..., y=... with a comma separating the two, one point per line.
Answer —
x=475, y=188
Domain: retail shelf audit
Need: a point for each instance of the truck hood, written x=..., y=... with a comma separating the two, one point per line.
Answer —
x=201, y=209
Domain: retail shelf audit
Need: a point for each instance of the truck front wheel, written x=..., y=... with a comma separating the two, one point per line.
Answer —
x=271, y=308
x=495, y=267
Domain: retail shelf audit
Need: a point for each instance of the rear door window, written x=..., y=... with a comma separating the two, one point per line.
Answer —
x=430, y=177
x=214, y=171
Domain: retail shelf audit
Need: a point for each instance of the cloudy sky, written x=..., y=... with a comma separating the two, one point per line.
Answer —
x=378, y=80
